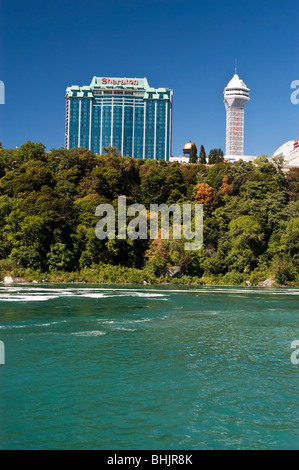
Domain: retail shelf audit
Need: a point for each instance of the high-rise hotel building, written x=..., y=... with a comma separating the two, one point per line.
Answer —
x=123, y=112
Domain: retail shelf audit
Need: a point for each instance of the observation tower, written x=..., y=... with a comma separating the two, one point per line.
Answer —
x=236, y=95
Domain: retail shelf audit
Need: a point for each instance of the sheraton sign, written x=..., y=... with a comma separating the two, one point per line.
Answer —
x=120, y=81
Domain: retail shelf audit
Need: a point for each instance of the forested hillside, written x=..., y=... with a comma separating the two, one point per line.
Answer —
x=47, y=218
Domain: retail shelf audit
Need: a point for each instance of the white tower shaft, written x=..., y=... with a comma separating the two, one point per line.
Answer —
x=234, y=131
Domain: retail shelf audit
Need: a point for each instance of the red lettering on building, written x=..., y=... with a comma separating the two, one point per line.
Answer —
x=117, y=82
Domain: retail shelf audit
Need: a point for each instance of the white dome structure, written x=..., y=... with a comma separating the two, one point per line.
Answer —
x=284, y=150
x=290, y=151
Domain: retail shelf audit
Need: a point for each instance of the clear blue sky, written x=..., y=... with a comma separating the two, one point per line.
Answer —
x=187, y=45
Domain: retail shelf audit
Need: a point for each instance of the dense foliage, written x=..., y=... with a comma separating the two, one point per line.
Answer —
x=47, y=223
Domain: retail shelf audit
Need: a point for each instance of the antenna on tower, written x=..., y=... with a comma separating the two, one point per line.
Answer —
x=236, y=61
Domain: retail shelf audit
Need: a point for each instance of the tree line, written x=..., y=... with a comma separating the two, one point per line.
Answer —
x=215, y=156
x=47, y=217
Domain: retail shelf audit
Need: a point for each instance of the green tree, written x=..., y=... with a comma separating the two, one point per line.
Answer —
x=219, y=156
x=31, y=151
x=292, y=178
x=290, y=237
x=60, y=258
x=245, y=243
x=278, y=162
x=111, y=151
x=26, y=257
x=202, y=155
x=216, y=156
x=153, y=187
x=193, y=154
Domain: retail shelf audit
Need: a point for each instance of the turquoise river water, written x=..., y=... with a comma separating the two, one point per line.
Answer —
x=152, y=367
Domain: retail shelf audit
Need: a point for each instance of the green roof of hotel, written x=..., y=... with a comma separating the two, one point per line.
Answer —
x=111, y=83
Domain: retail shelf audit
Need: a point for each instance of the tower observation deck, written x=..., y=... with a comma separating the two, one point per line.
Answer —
x=236, y=95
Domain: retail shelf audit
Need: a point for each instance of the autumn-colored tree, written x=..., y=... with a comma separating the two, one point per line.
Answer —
x=156, y=250
x=157, y=256
x=204, y=194
x=226, y=188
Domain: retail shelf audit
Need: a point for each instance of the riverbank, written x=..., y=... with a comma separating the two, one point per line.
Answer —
x=109, y=274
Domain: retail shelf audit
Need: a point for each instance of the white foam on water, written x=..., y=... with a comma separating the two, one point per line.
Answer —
x=11, y=327
x=35, y=289
x=141, y=294
x=125, y=321
x=89, y=333
x=138, y=321
x=95, y=296
x=28, y=298
x=10, y=289
x=43, y=294
x=57, y=322
x=30, y=325
x=126, y=294
x=125, y=329
x=285, y=293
